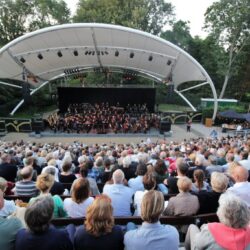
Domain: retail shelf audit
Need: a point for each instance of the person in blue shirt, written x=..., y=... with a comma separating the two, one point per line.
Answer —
x=152, y=235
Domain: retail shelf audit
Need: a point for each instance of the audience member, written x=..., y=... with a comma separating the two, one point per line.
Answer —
x=152, y=235
x=78, y=204
x=99, y=231
x=40, y=235
x=232, y=232
x=120, y=195
x=137, y=183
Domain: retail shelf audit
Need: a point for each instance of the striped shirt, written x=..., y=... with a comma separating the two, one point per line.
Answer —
x=26, y=188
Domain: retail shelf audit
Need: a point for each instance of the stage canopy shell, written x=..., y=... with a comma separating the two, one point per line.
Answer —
x=50, y=53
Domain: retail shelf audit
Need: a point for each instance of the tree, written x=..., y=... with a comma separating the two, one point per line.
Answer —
x=146, y=15
x=229, y=22
x=179, y=35
x=20, y=16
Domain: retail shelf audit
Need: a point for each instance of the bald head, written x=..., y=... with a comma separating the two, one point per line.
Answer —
x=26, y=173
x=118, y=176
x=240, y=174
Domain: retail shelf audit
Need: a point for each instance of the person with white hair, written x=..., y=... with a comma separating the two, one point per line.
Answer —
x=52, y=164
x=120, y=195
x=232, y=231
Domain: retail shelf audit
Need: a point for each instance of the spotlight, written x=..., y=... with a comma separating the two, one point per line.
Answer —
x=86, y=53
x=106, y=52
x=93, y=53
x=150, y=58
x=59, y=53
x=131, y=55
x=40, y=56
x=102, y=53
x=98, y=52
x=169, y=62
x=75, y=53
x=117, y=53
x=22, y=60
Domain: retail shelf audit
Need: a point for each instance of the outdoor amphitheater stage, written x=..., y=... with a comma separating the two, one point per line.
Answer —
x=178, y=134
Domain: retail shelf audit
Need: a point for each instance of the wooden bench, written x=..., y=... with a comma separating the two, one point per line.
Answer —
x=170, y=220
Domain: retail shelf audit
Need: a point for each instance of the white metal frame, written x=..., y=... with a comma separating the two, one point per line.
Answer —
x=108, y=26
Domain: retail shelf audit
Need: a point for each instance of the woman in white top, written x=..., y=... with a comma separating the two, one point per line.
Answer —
x=149, y=183
x=78, y=204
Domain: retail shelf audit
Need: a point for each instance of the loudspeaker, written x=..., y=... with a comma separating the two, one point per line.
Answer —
x=37, y=126
x=165, y=126
x=170, y=92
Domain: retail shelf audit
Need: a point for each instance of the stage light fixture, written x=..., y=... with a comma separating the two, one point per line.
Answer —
x=22, y=60
x=150, y=58
x=86, y=53
x=131, y=55
x=59, y=53
x=93, y=53
x=40, y=56
x=102, y=53
x=169, y=62
x=106, y=52
x=75, y=53
x=117, y=53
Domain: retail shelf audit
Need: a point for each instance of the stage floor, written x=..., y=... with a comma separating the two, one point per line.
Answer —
x=179, y=134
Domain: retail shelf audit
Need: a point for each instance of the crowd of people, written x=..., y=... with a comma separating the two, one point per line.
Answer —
x=202, y=175
x=104, y=118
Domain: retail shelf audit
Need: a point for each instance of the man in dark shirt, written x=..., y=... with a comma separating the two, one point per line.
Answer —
x=171, y=182
x=7, y=170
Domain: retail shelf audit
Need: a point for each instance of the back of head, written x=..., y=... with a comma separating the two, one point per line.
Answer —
x=182, y=166
x=80, y=190
x=50, y=170
x=244, y=155
x=212, y=159
x=152, y=206
x=29, y=161
x=199, y=177
x=141, y=169
x=184, y=184
x=26, y=172
x=45, y=182
x=149, y=181
x=233, y=211
x=66, y=166
x=99, y=216
x=219, y=182
x=239, y=173
x=160, y=167
x=118, y=176
x=39, y=213
x=3, y=184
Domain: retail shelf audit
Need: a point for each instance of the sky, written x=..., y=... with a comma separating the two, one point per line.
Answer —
x=186, y=10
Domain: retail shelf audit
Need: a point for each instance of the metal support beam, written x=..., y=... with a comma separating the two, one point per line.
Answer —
x=193, y=87
x=10, y=85
x=186, y=100
x=33, y=92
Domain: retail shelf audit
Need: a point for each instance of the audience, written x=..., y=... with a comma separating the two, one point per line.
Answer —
x=120, y=195
x=40, y=235
x=78, y=204
x=137, y=183
x=232, y=232
x=99, y=231
x=152, y=235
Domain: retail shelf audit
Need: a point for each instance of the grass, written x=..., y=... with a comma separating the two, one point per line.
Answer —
x=173, y=107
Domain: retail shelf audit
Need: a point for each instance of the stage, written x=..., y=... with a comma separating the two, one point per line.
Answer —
x=178, y=134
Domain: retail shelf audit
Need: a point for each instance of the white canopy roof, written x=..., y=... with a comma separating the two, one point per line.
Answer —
x=48, y=53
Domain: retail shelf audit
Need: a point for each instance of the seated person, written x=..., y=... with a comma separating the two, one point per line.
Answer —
x=66, y=175
x=120, y=195
x=26, y=186
x=40, y=235
x=9, y=206
x=152, y=235
x=232, y=232
x=149, y=183
x=99, y=231
x=209, y=199
x=8, y=229
x=78, y=204
x=184, y=203
x=44, y=183
x=199, y=182
x=137, y=183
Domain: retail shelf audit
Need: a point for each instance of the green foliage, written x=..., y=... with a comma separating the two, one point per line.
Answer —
x=229, y=22
x=146, y=15
x=20, y=16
